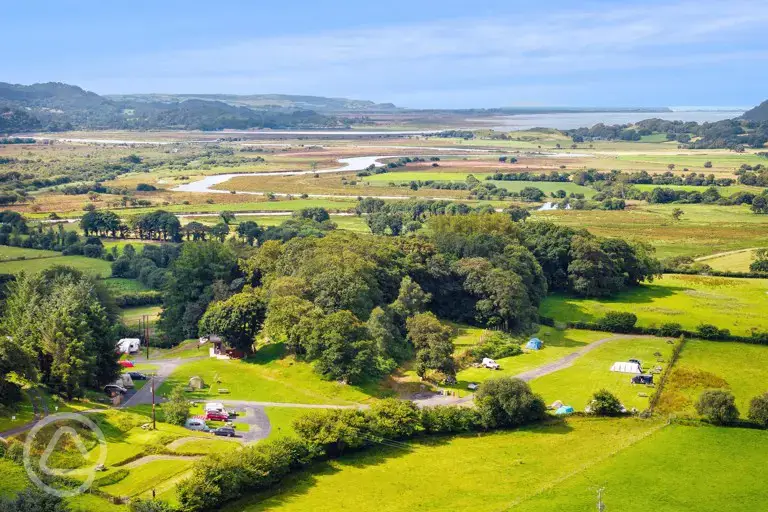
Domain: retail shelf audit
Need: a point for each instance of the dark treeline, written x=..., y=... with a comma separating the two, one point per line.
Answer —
x=729, y=133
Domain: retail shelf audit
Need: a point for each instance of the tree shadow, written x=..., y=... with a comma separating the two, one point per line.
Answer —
x=267, y=354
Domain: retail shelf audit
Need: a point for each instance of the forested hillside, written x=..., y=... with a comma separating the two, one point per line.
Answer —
x=759, y=113
x=60, y=107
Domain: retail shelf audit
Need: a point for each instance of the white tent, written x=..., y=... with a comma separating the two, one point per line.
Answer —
x=626, y=368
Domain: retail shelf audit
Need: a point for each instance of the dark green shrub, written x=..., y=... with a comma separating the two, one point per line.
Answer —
x=605, y=403
x=617, y=321
x=508, y=402
x=394, y=419
x=758, y=410
x=717, y=406
x=449, y=420
x=498, y=345
x=711, y=332
x=670, y=330
x=15, y=452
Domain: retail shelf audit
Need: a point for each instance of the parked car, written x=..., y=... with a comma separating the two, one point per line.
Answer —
x=196, y=424
x=125, y=363
x=490, y=364
x=224, y=431
x=472, y=386
x=642, y=379
x=111, y=389
x=216, y=416
x=137, y=376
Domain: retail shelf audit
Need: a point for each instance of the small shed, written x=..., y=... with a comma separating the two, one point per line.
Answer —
x=196, y=382
x=534, y=344
x=623, y=367
x=565, y=409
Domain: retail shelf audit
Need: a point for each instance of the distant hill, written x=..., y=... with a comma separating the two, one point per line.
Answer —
x=57, y=107
x=266, y=101
x=759, y=113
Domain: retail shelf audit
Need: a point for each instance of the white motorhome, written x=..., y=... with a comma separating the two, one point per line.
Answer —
x=489, y=363
x=128, y=345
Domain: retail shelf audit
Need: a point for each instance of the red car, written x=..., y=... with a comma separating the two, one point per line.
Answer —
x=125, y=364
x=216, y=416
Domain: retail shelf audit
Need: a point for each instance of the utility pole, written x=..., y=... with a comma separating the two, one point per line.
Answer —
x=600, y=504
x=146, y=333
x=154, y=423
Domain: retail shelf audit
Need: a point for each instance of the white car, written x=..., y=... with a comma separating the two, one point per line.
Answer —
x=490, y=364
x=196, y=424
x=472, y=386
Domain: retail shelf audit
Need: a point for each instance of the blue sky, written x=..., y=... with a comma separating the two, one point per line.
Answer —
x=417, y=53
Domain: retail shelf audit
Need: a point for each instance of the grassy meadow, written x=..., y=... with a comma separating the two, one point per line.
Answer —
x=268, y=376
x=740, y=368
x=728, y=303
x=589, y=373
x=95, y=266
x=485, y=472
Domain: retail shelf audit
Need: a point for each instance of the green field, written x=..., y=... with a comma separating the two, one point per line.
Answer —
x=268, y=376
x=738, y=367
x=119, y=285
x=546, y=186
x=24, y=413
x=14, y=478
x=678, y=469
x=728, y=303
x=557, y=344
x=132, y=316
x=281, y=420
x=731, y=262
x=589, y=373
x=9, y=253
x=95, y=266
x=486, y=472
x=724, y=191
x=703, y=229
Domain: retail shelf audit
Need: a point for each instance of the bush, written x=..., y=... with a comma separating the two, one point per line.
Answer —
x=605, y=403
x=617, y=321
x=670, y=330
x=711, y=332
x=508, y=402
x=496, y=346
x=449, y=420
x=176, y=409
x=331, y=432
x=717, y=406
x=15, y=452
x=394, y=419
x=140, y=505
x=33, y=499
x=758, y=410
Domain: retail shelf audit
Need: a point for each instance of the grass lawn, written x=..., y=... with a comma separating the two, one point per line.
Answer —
x=350, y=223
x=268, y=376
x=14, y=478
x=477, y=473
x=677, y=469
x=281, y=420
x=408, y=176
x=120, y=285
x=729, y=303
x=146, y=476
x=556, y=345
x=724, y=191
x=266, y=206
x=96, y=266
x=731, y=262
x=8, y=253
x=90, y=502
x=187, y=349
x=214, y=445
x=740, y=368
x=576, y=384
x=24, y=413
x=132, y=315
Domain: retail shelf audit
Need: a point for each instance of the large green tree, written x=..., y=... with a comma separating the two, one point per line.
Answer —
x=189, y=286
x=237, y=319
x=434, y=347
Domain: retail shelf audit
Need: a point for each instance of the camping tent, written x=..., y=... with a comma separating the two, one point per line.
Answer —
x=196, y=383
x=534, y=344
x=566, y=409
x=626, y=368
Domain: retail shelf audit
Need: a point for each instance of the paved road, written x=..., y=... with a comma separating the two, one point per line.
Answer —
x=164, y=370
